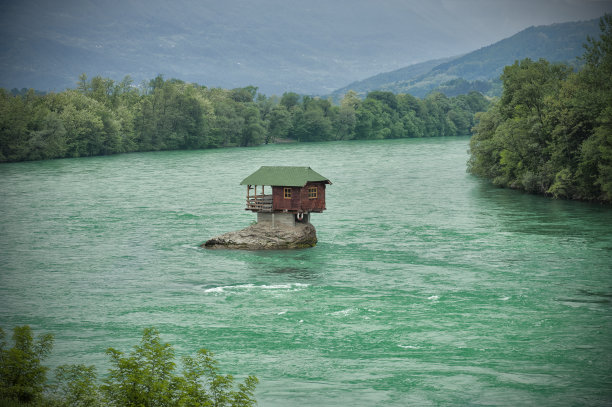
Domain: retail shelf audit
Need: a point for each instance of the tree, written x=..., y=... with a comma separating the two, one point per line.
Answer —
x=202, y=384
x=22, y=377
x=350, y=99
x=85, y=130
x=437, y=122
x=253, y=130
x=83, y=86
x=526, y=85
x=49, y=141
x=279, y=124
x=15, y=115
x=551, y=131
x=346, y=118
x=101, y=116
x=147, y=378
x=485, y=148
x=312, y=125
x=598, y=54
x=387, y=98
x=344, y=124
x=77, y=386
x=289, y=100
x=244, y=95
x=596, y=152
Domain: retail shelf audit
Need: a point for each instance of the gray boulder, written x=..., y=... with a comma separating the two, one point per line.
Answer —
x=264, y=236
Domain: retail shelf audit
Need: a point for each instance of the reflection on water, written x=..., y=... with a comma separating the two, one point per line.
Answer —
x=524, y=213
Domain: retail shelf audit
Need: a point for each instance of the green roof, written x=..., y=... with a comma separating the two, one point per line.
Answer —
x=284, y=176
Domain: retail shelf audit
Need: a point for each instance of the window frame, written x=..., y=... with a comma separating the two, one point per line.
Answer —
x=313, y=192
x=287, y=192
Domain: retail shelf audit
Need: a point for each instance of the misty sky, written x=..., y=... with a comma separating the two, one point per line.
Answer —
x=470, y=20
x=487, y=21
x=236, y=42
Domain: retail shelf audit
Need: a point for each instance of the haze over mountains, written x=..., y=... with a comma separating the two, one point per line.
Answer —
x=480, y=70
x=311, y=47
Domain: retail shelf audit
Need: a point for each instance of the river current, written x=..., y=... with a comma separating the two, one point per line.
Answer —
x=428, y=286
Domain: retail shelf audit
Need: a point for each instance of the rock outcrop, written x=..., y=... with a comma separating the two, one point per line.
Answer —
x=262, y=236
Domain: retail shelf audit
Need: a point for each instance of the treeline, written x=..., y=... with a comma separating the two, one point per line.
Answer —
x=145, y=377
x=101, y=116
x=551, y=131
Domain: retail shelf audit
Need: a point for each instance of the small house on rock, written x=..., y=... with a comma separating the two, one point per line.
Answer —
x=296, y=192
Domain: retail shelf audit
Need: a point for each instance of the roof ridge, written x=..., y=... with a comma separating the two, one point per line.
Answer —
x=287, y=175
x=285, y=166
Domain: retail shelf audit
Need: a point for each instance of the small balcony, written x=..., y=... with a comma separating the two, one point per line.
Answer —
x=259, y=203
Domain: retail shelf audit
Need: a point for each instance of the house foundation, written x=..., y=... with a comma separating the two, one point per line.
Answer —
x=280, y=219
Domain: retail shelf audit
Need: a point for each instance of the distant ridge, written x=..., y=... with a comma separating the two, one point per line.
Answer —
x=386, y=79
x=480, y=70
x=277, y=45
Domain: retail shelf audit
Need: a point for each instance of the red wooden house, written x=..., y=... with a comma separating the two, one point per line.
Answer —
x=295, y=190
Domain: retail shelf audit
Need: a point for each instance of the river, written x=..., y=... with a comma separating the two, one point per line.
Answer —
x=428, y=286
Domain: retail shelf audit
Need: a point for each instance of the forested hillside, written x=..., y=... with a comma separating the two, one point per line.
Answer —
x=480, y=70
x=103, y=117
x=551, y=131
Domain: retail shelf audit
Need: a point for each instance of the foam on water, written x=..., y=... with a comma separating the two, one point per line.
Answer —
x=344, y=312
x=249, y=287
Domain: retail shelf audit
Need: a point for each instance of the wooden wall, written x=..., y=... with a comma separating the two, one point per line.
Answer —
x=299, y=199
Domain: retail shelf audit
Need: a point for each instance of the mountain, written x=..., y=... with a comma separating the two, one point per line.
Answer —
x=384, y=81
x=480, y=69
x=278, y=45
x=310, y=47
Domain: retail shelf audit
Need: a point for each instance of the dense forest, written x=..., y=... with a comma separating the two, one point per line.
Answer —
x=101, y=116
x=551, y=130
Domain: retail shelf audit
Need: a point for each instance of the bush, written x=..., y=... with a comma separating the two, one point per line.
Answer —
x=147, y=378
x=22, y=377
x=144, y=378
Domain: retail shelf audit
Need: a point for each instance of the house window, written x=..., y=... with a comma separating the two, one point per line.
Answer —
x=312, y=193
x=287, y=193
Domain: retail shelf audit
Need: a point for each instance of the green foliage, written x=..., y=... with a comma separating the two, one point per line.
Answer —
x=101, y=117
x=202, y=384
x=551, y=131
x=77, y=386
x=278, y=124
x=22, y=377
x=146, y=377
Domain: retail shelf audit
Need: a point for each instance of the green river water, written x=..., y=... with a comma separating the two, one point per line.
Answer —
x=428, y=286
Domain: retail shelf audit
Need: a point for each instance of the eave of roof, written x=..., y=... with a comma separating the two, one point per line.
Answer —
x=284, y=176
